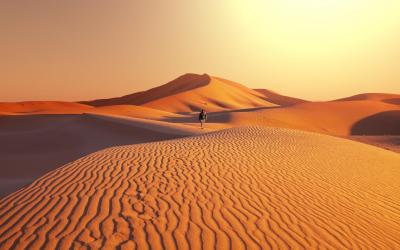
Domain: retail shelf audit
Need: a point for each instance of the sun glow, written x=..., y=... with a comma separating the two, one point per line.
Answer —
x=316, y=49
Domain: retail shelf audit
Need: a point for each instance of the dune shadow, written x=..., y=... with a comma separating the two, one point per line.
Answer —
x=384, y=123
x=395, y=101
x=33, y=145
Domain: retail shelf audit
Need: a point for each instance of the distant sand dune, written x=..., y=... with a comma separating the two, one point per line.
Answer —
x=278, y=99
x=254, y=188
x=335, y=118
x=192, y=92
x=43, y=107
x=370, y=97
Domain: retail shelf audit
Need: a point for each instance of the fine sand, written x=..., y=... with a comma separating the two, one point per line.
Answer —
x=32, y=145
x=241, y=188
x=389, y=142
x=137, y=172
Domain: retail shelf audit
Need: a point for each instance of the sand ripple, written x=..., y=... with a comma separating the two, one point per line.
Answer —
x=242, y=188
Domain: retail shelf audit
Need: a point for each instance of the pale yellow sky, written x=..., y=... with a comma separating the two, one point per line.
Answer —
x=86, y=49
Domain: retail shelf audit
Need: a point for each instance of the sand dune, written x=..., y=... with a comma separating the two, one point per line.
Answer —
x=55, y=107
x=33, y=145
x=253, y=188
x=334, y=118
x=154, y=125
x=133, y=111
x=371, y=97
x=192, y=92
x=389, y=142
x=279, y=99
x=42, y=107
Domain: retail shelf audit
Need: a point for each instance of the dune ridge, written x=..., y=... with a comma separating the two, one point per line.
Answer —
x=241, y=188
x=279, y=99
x=370, y=96
x=192, y=92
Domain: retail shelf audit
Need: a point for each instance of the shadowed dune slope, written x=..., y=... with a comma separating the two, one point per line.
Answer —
x=395, y=101
x=253, y=188
x=389, y=142
x=279, y=99
x=33, y=145
x=192, y=92
x=335, y=118
x=133, y=111
x=384, y=123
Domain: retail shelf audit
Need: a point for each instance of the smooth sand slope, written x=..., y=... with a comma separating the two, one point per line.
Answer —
x=42, y=107
x=55, y=107
x=342, y=118
x=383, y=97
x=33, y=145
x=279, y=99
x=251, y=187
x=192, y=92
x=389, y=142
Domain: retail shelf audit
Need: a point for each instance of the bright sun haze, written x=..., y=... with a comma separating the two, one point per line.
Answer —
x=78, y=50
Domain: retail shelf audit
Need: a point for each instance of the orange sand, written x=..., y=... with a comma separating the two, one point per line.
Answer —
x=253, y=187
x=192, y=92
x=259, y=184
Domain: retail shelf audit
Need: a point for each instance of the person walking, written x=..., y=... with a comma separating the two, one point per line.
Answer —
x=202, y=118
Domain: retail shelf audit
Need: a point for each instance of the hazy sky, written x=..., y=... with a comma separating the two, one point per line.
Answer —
x=82, y=49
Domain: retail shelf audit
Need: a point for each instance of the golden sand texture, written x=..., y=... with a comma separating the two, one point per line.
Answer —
x=240, y=188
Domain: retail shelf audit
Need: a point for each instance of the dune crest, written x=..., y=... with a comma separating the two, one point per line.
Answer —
x=192, y=92
x=279, y=99
x=233, y=189
x=370, y=97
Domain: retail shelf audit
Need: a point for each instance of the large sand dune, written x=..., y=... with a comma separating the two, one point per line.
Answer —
x=254, y=188
x=192, y=92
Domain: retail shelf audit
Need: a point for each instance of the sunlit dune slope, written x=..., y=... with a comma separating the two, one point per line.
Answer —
x=335, y=118
x=43, y=107
x=253, y=188
x=279, y=99
x=371, y=96
x=54, y=107
x=192, y=92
